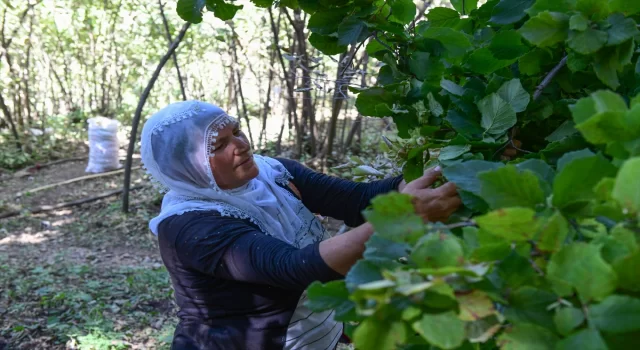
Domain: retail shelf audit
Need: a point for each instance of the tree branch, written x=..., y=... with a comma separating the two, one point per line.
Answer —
x=547, y=80
x=138, y=114
x=461, y=224
x=174, y=56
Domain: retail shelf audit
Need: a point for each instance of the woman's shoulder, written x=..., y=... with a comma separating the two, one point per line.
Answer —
x=194, y=222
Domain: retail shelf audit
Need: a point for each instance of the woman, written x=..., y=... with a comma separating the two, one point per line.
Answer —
x=239, y=238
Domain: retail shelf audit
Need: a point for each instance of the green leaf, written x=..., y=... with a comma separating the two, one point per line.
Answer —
x=455, y=42
x=542, y=170
x=452, y=87
x=587, y=339
x=576, y=180
x=392, y=215
x=326, y=44
x=507, y=45
x=362, y=272
x=379, y=334
x=497, y=115
x=514, y=94
x=618, y=245
x=567, y=319
x=624, y=6
x=475, y=305
x=464, y=6
x=580, y=267
x=482, y=61
x=434, y=106
x=452, y=152
x=627, y=187
x=529, y=305
x=324, y=22
x=384, y=252
x=464, y=175
x=413, y=168
x=551, y=6
x=491, y=252
x=527, y=337
x=529, y=64
x=515, y=270
x=627, y=270
x=567, y=128
x=352, y=30
x=588, y=41
x=332, y=295
x=443, y=17
x=443, y=330
x=508, y=187
x=425, y=67
x=514, y=224
x=577, y=62
x=510, y=11
x=438, y=250
x=546, y=29
x=553, y=232
x=191, y=10
x=403, y=10
x=606, y=127
x=374, y=47
x=621, y=30
x=464, y=124
x=368, y=100
x=616, y=314
x=578, y=22
x=263, y=3
x=595, y=9
x=605, y=66
x=223, y=10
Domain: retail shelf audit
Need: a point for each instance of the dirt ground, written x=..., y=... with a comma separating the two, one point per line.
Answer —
x=84, y=277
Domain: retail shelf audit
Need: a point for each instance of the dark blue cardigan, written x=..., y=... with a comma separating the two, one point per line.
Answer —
x=236, y=287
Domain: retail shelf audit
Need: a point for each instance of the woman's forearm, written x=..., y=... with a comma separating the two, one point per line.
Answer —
x=342, y=251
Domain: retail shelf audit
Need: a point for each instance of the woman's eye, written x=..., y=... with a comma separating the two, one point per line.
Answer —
x=236, y=132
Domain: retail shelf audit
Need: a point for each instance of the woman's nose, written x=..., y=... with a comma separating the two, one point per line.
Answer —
x=241, y=145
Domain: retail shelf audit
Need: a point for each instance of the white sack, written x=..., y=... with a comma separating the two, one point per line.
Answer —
x=103, y=145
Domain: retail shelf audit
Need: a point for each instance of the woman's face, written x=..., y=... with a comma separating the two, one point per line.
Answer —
x=233, y=165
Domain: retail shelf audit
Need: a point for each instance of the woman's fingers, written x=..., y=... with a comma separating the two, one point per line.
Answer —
x=448, y=189
x=430, y=176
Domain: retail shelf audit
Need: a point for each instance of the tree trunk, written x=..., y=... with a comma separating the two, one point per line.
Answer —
x=291, y=99
x=339, y=95
x=358, y=121
x=26, y=76
x=138, y=114
x=308, y=114
x=7, y=115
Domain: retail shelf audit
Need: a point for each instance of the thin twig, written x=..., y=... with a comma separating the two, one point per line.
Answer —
x=420, y=14
x=346, y=66
x=461, y=224
x=548, y=78
x=375, y=36
x=516, y=147
x=536, y=267
x=43, y=208
x=75, y=179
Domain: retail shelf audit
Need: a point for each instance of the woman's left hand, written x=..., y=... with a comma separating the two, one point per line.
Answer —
x=432, y=204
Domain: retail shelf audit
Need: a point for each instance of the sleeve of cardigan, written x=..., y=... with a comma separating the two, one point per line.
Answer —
x=335, y=197
x=233, y=249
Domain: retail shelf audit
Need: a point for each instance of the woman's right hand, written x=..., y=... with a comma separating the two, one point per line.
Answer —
x=433, y=204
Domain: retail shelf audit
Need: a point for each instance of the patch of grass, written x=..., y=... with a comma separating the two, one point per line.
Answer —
x=86, y=307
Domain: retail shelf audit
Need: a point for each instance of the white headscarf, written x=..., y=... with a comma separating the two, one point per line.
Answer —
x=176, y=145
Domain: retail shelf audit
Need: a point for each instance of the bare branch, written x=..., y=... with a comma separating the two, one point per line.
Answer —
x=547, y=80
